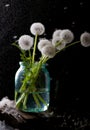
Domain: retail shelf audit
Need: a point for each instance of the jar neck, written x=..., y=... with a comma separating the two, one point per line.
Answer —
x=26, y=64
x=21, y=63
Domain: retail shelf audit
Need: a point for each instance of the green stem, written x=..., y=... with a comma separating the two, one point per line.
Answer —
x=24, y=84
x=23, y=87
x=68, y=46
x=30, y=56
x=16, y=45
x=25, y=101
x=18, y=103
x=36, y=100
x=43, y=60
x=58, y=43
x=41, y=99
x=34, y=49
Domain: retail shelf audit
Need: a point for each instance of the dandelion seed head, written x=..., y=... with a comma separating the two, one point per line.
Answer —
x=25, y=42
x=37, y=28
x=85, y=39
x=56, y=33
x=66, y=35
x=42, y=43
x=61, y=44
x=48, y=51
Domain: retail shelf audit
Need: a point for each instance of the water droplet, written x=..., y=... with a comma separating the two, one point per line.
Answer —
x=73, y=23
x=7, y=5
x=65, y=8
x=15, y=37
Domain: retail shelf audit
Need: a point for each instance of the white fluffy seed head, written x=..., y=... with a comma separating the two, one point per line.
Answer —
x=58, y=43
x=56, y=33
x=85, y=39
x=6, y=101
x=67, y=35
x=25, y=42
x=42, y=43
x=37, y=28
x=48, y=51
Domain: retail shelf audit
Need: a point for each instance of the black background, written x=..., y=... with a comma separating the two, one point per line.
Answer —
x=70, y=69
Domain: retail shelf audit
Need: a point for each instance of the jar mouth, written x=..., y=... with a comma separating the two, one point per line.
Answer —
x=21, y=63
x=27, y=64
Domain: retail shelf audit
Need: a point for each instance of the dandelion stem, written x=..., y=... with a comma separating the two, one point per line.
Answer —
x=41, y=99
x=36, y=100
x=34, y=49
x=20, y=100
x=25, y=101
x=68, y=46
x=29, y=56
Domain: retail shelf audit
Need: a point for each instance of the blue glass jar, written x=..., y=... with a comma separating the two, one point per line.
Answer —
x=37, y=100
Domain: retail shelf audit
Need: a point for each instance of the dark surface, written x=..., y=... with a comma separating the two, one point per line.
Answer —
x=12, y=118
x=58, y=121
x=69, y=70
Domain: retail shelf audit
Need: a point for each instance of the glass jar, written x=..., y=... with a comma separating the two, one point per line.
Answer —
x=33, y=98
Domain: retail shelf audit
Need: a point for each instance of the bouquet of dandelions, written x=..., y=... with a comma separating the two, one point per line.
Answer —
x=27, y=44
